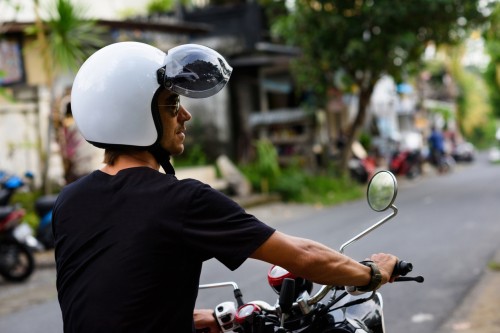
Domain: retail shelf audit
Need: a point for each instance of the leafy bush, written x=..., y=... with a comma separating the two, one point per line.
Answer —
x=299, y=186
x=294, y=183
x=27, y=201
x=194, y=156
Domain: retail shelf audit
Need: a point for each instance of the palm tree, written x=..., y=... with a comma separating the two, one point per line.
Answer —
x=65, y=40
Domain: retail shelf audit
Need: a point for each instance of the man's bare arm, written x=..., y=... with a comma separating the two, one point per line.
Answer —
x=318, y=263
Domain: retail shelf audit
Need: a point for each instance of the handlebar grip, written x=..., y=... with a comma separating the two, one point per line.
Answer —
x=402, y=268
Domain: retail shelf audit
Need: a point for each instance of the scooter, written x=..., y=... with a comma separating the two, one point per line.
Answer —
x=346, y=310
x=16, y=259
x=443, y=162
x=43, y=208
x=9, y=184
x=406, y=163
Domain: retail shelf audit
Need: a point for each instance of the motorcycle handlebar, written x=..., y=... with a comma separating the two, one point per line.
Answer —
x=402, y=268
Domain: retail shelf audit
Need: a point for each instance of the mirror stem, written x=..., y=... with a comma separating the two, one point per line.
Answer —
x=326, y=289
x=370, y=229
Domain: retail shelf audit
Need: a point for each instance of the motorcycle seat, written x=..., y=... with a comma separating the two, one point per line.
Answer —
x=45, y=204
x=4, y=196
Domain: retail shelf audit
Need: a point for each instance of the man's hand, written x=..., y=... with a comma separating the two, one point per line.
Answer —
x=385, y=263
x=204, y=321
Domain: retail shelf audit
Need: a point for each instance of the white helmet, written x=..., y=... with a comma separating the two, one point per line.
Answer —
x=113, y=98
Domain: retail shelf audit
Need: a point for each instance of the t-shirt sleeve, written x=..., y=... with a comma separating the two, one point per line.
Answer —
x=217, y=227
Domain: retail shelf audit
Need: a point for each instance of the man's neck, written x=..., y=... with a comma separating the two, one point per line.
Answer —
x=139, y=159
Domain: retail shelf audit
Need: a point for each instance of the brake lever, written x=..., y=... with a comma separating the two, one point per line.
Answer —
x=418, y=279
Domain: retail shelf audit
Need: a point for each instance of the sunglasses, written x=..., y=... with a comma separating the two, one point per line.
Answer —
x=176, y=107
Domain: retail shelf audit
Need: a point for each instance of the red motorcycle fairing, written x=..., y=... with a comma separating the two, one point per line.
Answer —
x=366, y=317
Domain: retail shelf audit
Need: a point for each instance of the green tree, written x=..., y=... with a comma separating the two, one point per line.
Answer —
x=159, y=6
x=362, y=40
x=492, y=74
x=65, y=40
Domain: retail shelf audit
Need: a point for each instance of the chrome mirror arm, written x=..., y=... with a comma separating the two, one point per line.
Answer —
x=326, y=289
x=370, y=229
x=218, y=285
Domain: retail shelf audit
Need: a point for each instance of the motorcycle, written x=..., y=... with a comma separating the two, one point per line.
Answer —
x=43, y=209
x=9, y=184
x=361, y=165
x=346, y=310
x=406, y=163
x=16, y=259
x=443, y=162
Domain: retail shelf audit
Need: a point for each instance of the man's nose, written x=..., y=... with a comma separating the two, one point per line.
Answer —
x=184, y=113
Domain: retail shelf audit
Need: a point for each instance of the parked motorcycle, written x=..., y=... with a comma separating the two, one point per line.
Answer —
x=361, y=165
x=406, y=163
x=443, y=162
x=346, y=310
x=43, y=208
x=16, y=259
x=9, y=184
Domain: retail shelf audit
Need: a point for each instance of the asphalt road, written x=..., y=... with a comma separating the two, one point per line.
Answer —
x=447, y=226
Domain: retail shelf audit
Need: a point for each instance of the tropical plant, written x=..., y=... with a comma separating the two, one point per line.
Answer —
x=71, y=36
x=65, y=40
x=266, y=164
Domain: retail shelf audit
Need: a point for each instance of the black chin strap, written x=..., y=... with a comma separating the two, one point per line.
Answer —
x=162, y=156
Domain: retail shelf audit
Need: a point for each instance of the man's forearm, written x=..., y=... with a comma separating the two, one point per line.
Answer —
x=318, y=263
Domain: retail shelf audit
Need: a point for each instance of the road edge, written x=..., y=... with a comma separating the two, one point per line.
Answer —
x=478, y=312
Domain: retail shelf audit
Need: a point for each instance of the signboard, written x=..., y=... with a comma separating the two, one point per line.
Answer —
x=11, y=62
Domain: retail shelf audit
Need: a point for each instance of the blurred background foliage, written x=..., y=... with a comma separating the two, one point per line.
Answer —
x=350, y=45
x=345, y=44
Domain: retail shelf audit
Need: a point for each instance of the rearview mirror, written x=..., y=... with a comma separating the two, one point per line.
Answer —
x=382, y=191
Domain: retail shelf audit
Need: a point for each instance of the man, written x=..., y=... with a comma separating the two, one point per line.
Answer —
x=130, y=240
x=436, y=146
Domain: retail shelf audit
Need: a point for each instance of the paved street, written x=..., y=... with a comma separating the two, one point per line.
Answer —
x=447, y=226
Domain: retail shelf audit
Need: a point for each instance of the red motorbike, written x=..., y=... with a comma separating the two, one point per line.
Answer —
x=16, y=259
x=406, y=163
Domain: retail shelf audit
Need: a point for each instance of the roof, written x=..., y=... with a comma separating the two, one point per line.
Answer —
x=167, y=26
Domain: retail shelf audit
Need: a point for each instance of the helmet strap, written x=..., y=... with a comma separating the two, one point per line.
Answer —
x=162, y=156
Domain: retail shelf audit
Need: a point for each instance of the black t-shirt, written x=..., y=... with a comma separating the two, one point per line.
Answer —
x=129, y=249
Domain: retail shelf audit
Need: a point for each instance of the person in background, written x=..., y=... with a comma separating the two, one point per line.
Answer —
x=436, y=146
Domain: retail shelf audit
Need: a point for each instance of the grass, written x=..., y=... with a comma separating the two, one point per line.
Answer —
x=296, y=185
x=494, y=266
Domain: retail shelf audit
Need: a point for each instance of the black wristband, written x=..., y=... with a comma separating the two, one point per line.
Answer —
x=375, y=279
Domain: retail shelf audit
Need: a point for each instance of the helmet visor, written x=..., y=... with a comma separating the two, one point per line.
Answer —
x=194, y=71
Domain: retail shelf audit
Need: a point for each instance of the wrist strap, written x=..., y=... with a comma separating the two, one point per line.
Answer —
x=375, y=279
